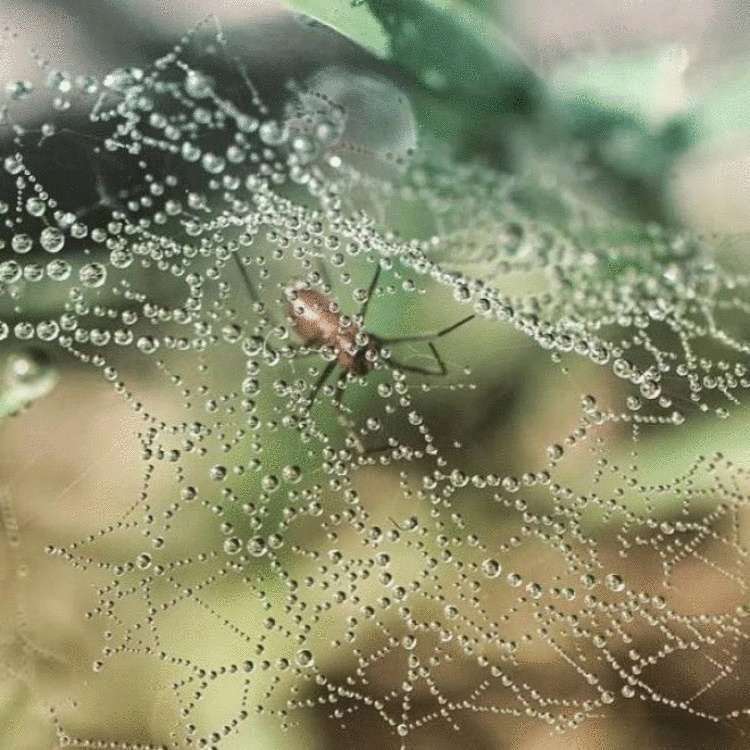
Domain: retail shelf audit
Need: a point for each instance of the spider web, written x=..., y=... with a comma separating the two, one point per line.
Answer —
x=390, y=565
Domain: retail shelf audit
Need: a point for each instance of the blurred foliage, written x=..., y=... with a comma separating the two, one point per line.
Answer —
x=472, y=85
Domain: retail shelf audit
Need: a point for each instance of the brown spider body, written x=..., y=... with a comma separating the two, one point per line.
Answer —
x=318, y=323
x=316, y=319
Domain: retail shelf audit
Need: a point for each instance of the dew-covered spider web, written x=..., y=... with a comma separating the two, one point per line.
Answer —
x=397, y=557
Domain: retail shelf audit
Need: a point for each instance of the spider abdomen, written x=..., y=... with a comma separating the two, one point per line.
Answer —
x=317, y=322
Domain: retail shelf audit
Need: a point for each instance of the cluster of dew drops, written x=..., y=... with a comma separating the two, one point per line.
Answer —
x=371, y=565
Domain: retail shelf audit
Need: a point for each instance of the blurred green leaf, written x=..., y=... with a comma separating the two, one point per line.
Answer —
x=647, y=85
x=350, y=20
x=449, y=48
x=475, y=90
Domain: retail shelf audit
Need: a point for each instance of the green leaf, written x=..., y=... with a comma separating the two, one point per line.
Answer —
x=472, y=89
x=349, y=19
x=647, y=85
x=450, y=49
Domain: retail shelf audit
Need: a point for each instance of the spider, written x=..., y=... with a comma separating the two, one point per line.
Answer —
x=317, y=323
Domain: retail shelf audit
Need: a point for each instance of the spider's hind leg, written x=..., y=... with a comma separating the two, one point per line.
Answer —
x=442, y=371
x=428, y=336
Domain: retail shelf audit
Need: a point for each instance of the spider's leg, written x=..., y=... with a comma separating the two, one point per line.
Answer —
x=338, y=398
x=301, y=350
x=292, y=354
x=428, y=336
x=438, y=358
x=252, y=291
x=322, y=379
x=381, y=449
x=421, y=370
x=324, y=275
x=370, y=292
x=343, y=417
x=396, y=523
